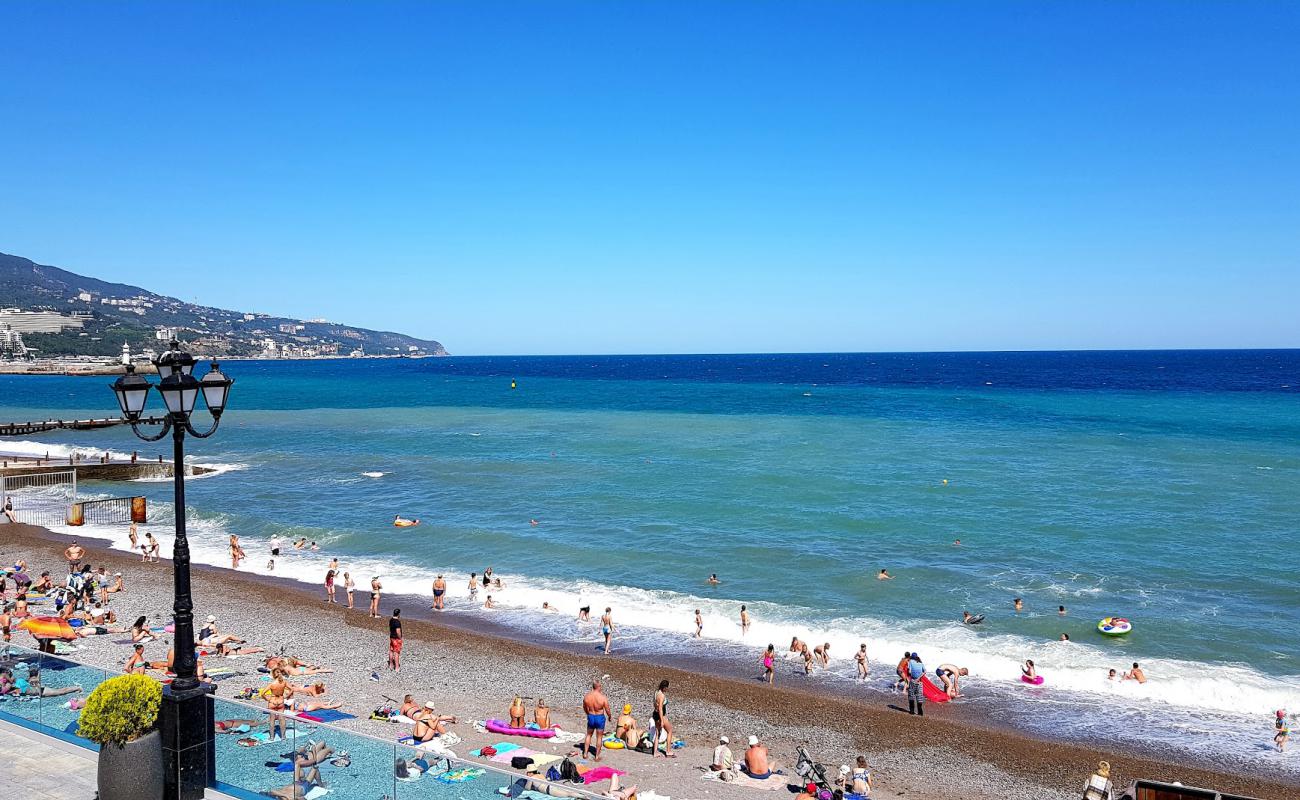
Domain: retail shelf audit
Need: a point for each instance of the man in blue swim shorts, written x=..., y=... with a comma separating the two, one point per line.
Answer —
x=596, y=706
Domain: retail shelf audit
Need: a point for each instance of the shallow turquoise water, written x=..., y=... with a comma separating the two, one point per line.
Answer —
x=1173, y=506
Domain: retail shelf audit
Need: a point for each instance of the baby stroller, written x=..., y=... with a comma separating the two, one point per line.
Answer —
x=812, y=772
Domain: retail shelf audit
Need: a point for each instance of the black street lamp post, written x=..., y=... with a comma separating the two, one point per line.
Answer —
x=185, y=719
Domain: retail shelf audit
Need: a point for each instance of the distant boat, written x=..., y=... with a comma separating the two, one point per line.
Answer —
x=373, y=474
x=807, y=394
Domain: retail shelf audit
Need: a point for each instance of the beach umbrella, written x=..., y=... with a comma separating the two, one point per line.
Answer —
x=48, y=628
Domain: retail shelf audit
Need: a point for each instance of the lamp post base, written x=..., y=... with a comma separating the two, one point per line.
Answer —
x=185, y=722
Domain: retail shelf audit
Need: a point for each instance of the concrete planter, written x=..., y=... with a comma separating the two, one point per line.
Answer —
x=132, y=772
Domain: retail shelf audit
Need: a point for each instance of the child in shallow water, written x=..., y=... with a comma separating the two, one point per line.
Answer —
x=1283, y=732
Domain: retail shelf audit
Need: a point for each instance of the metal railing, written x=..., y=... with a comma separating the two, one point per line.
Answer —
x=40, y=498
x=108, y=511
x=373, y=759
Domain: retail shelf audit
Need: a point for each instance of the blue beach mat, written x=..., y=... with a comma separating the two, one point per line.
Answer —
x=329, y=715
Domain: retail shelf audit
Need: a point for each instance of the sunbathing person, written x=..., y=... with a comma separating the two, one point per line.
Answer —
x=517, y=712
x=137, y=663
x=303, y=782
x=236, y=725
x=311, y=689
x=169, y=666
x=295, y=667
x=305, y=706
x=312, y=755
x=626, y=728
x=411, y=770
x=226, y=651
x=31, y=686
x=409, y=708
x=429, y=724
x=209, y=636
x=542, y=715
x=140, y=631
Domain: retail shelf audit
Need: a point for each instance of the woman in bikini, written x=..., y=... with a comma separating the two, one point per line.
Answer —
x=517, y=712
x=660, y=717
x=348, y=586
x=375, y=588
x=236, y=552
x=329, y=586
x=278, y=694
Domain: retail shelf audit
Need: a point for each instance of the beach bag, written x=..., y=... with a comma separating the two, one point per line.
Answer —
x=521, y=762
x=488, y=752
x=552, y=774
x=569, y=771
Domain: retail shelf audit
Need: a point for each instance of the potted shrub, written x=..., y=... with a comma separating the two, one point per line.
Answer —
x=121, y=716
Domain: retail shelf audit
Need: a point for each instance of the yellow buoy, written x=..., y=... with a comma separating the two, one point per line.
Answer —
x=945, y=481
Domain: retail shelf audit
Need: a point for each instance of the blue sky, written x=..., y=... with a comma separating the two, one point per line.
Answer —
x=554, y=177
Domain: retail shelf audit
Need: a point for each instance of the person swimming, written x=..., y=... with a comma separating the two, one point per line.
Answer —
x=971, y=619
x=884, y=575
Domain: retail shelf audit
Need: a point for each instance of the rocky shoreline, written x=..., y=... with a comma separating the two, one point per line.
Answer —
x=474, y=675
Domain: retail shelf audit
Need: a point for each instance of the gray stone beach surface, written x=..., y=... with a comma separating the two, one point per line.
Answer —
x=474, y=676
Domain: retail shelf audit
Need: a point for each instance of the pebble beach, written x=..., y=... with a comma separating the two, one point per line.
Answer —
x=474, y=675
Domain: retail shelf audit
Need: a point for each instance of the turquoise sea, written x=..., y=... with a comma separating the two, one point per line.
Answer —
x=1160, y=486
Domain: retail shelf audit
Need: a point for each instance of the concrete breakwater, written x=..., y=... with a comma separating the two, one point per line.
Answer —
x=100, y=470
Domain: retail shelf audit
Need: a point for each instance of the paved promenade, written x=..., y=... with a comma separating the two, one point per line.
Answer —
x=30, y=769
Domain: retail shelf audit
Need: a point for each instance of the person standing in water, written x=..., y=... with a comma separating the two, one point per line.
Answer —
x=376, y=588
x=439, y=589
x=348, y=586
x=744, y=621
x=915, y=693
x=699, y=625
x=607, y=628
x=135, y=539
x=861, y=659
x=473, y=587
x=769, y=664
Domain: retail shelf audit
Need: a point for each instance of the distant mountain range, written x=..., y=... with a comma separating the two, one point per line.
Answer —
x=103, y=315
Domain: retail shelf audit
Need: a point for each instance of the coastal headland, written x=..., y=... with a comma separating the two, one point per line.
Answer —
x=951, y=752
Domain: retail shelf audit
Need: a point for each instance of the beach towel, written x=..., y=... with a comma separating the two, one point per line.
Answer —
x=564, y=737
x=327, y=715
x=499, y=747
x=772, y=784
x=459, y=776
x=540, y=760
x=256, y=739
x=438, y=748
x=315, y=792
x=600, y=774
x=447, y=739
x=506, y=756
